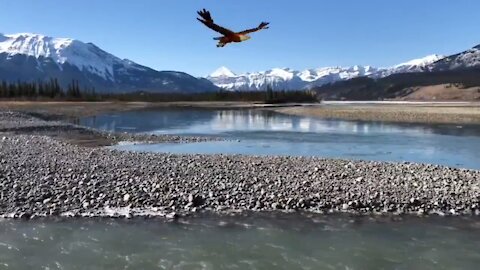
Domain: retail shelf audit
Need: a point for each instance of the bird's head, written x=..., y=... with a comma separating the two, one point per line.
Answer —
x=244, y=37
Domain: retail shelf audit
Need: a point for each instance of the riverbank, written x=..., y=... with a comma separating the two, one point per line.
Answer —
x=44, y=175
x=36, y=123
x=71, y=110
x=394, y=111
x=405, y=112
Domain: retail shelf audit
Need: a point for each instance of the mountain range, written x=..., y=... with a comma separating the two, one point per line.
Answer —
x=288, y=79
x=455, y=77
x=469, y=59
x=34, y=57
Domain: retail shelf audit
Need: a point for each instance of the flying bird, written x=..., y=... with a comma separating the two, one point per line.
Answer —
x=228, y=35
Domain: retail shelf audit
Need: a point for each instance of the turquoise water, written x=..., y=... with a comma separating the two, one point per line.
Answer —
x=250, y=242
x=264, y=241
x=257, y=132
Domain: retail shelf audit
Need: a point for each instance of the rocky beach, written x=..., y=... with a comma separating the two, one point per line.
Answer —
x=44, y=172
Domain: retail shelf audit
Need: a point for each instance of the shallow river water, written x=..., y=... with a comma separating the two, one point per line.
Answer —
x=250, y=242
x=258, y=132
x=263, y=241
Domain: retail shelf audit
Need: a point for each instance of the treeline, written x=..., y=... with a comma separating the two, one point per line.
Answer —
x=52, y=90
x=276, y=96
x=397, y=85
x=46, y=90
x=268, y=96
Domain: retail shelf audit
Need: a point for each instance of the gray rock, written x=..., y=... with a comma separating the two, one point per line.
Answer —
x=50, y=176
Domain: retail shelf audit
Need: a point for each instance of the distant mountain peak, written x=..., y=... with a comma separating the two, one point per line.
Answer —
x=61, y=50
x=288, y=79
x=422, y=62
x=283, y=73
x=464, y=60
x=222, y=72
x=29, y=56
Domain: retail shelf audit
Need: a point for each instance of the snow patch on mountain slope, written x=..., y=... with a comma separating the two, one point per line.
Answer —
x=415, y=65
x=285, y=78
x=85, y=56
x=422, y=62
x=471, y=58
x=222, y=72
x=284, y=74
x=467, y=59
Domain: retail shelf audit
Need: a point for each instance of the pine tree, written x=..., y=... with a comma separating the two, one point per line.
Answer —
x=269, y=94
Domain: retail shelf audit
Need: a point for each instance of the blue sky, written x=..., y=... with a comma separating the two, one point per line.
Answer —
x=303, y=34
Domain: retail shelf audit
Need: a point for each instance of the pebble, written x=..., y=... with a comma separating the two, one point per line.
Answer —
x=41, y=175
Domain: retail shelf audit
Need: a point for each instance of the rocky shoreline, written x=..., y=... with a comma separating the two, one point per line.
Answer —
x=39, y=124
x=45, y=175
x=438, y=113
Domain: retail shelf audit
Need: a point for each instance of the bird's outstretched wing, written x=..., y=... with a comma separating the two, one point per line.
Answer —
x=263, y=25
x=206, y=19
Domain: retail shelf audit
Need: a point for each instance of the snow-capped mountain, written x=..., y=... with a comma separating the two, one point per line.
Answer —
x=288, y=79
x=416, y=65
x=449, y=78
x=30, y=57
x=464, y=60
x=222, y=72
x=285, y=78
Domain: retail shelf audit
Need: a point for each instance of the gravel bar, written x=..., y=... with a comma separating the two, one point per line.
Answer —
x=43, y=176
x=38, y=124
